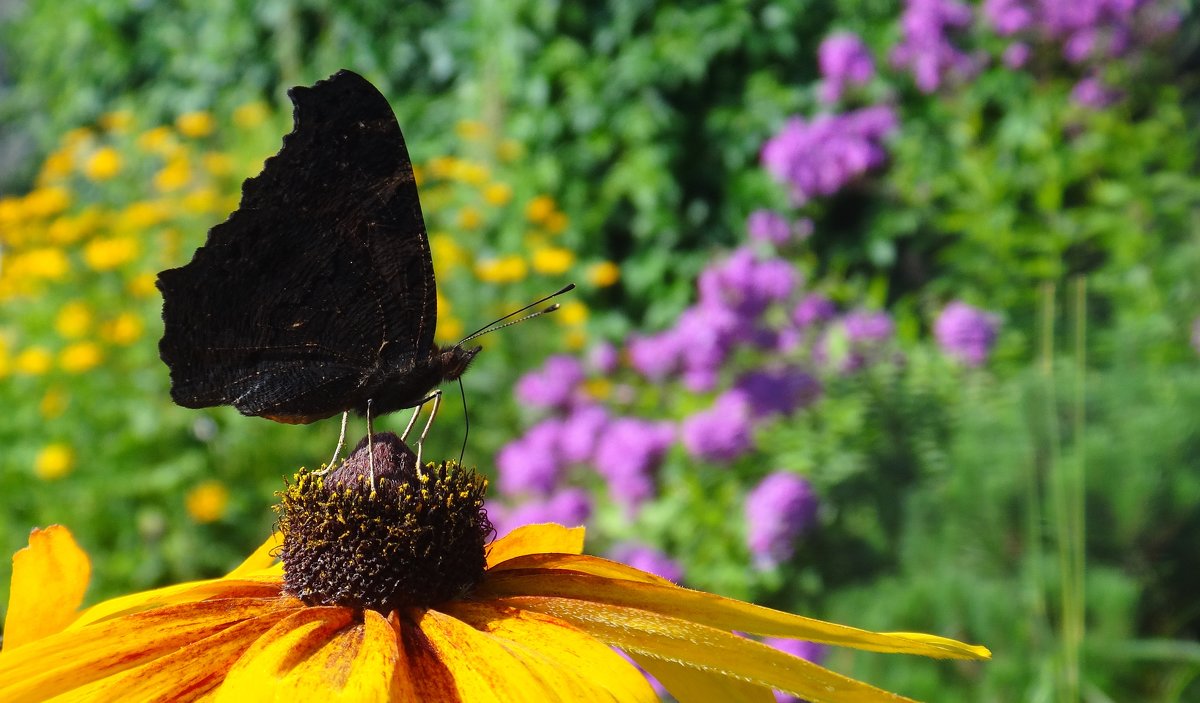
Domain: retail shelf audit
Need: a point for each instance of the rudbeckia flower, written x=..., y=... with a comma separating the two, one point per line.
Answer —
x=537, y=620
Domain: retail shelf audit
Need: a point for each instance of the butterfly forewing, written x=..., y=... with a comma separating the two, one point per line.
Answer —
x=322, y=270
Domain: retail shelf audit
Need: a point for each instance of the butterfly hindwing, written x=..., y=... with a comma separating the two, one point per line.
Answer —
x=324, y=265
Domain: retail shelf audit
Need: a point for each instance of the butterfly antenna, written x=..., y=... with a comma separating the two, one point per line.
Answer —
x=466, y=422
x=492, y=326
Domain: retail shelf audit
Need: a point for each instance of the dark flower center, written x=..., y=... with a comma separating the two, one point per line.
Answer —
x=411, y=539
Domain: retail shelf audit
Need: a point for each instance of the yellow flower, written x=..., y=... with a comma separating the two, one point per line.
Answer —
x=57, y=165
x=572, y=313
x=142, y=285
x=141, y=215
x=442, y=166
x=470, y=129
x=195, y=124
x=509, y=150
x=552, y=261
x=540, y=625
x=469, y=218
x=33, y=361
x=555, y=223
x=103, y=164
x=123, y=329
x=497, y=194
x=116, y=121
x=41, y=263
x=73, y=320
x=418, y=174
x=505, y=269
x=250, y=115
x=207, y=502
x=158, y=140
x=539, y=208
x=449, y=330
x=54, y=403
x=447, y=254
x=68, y=230
x=217, y=163
x=576, y=339
x=598, y=388
x=53, y=462
x=108, y=253
x=80, y=357
x=470, y=172
x=47, y=202
x=174, y=175
x=200, y=201
x=12, y=211
x=604, y=274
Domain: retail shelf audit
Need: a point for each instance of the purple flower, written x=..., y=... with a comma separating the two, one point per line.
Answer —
x=628, y=454
x=812, y=309
x=777, y=392
x=580, y=429
x=844, y=61
x=722, y=433
x=603, y=358
x=810, y=651
x=648, y=559
x=966, y=333
x=821, y=156
x=768, y=226
x=1016, y=55
x=867, y=327
x=926, y=49
x=655, y=356
x=531, y=463
x=744, y=284
x=1092, y=93
x=1008, y=17
x=778, y=510
x=570, y=507
x=552, y=386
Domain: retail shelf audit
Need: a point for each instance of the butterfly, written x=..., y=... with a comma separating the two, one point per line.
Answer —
x=317, y=295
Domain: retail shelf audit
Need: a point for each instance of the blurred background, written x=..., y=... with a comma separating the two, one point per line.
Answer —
x=888, y=312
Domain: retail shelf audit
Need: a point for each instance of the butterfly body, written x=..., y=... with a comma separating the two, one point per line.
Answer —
x=317, y=295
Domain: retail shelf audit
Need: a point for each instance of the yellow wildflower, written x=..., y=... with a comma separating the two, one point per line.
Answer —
x=447, y=254
x=140, y=215
x=598, y=388
x=497, y=194
x=469, y=218
x=77, y=137
x=556, y=222
x=45, y=263
x=5, y=359
x=158, y=140
x=123, y=329
x=505, y=269
x=250, y=115
x=108, y=253
x=604, y=274
x=57, y=165
x=47, y=202
x=69, y=229
x=449, y=330
x=73, y=320
x=80, y=357
x=200, y=201
x=12, y=211
x=33, y=361
x=572, y=313
x=418, y=174
x=442, y=166
x=174, y=175
x=142, y=285
x=539, y=208
x=116, y=121
x=195, y=124
x=471, y=172
x=470, y=129
x=207, y=502
x=103, y=164
x=552, y=261
x=509, y=150
x=575, y=339
x=53, y=403
x=54, y=461
x=217, y=163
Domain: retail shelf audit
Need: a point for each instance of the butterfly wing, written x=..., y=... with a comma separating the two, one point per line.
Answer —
x=285, y=310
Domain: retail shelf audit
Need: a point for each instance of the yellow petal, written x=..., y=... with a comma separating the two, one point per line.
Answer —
x=582, y=563
x=453, y=661
x=265, y=587
x=718, y=653
x=563, y=646
x=77, y=657
x=716, y=611
x=263, y=558
x=182, y=675
x=535, y=539
x=318, y=653
x=690, y=685
x=48, y=580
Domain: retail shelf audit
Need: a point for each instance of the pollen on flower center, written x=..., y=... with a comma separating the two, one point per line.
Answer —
x=408, y=541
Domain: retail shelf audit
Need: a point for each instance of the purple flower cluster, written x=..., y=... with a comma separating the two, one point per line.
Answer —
x=821, y=156
x=844, y=61
x=776, y=392
x=570, y=506
x=926, y=50
x=721, y=433
x=778, y=510
x=648, y=559
x=628, y=454
x=966, y=333
x=770, y=227
x=552, y=386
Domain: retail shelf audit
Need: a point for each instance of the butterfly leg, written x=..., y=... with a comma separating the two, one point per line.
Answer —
x=436, y=397
x=412, y=420
x=338, y=449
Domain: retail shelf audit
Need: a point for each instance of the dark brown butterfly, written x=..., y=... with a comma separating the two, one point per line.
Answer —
x=316, y=296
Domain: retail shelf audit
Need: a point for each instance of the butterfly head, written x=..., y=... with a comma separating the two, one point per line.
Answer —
x=455, y=360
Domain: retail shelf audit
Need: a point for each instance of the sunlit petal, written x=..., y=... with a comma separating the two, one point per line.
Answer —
x=564, y=647
x=259, y=587
x=718, y=612
x=717, y=652
x=690, y=685
x=48, y=580
x=536, y=539
x=581, y=563
x=76, y=657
